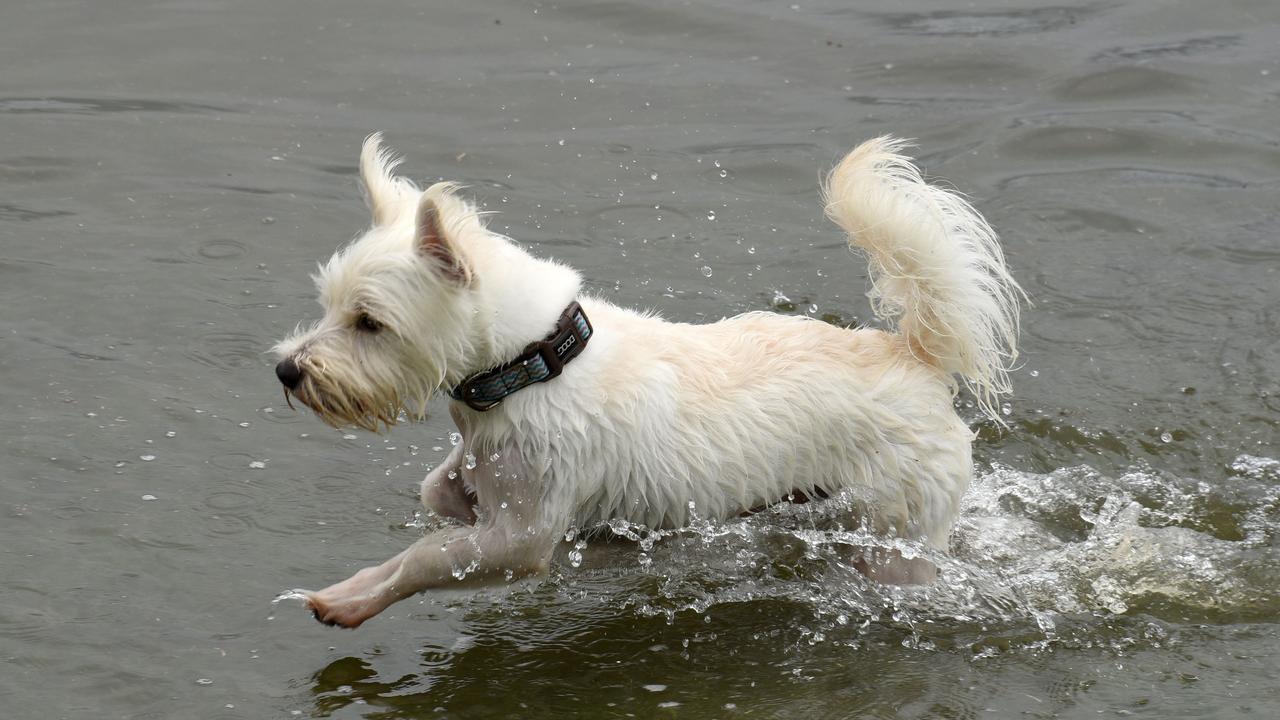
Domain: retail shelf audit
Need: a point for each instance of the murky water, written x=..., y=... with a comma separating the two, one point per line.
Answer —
x=170, y=173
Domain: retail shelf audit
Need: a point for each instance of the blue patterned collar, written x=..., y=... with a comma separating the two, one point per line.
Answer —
x=540, y=361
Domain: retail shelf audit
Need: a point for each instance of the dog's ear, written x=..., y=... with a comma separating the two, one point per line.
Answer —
x=433, y=242
x=382, y=190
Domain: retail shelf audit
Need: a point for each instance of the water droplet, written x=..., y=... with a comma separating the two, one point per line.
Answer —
x=461, y=572
x=257, y=464
x=171, y=434
x=146, y=458
x=653, y=176
x=706, y=271
x=724, y=173
x=204, y=681
x=1166, y=436
x=150, y=497
x=455, y=438
x=470, y=463
x=1035, y=373
x=751, y=250
x=711, y=214
x=494, y=457
x=654, y=688
x=560, y=142
x=1006, y=409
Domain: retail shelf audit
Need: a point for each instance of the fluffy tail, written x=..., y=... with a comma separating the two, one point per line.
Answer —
x=936, y=266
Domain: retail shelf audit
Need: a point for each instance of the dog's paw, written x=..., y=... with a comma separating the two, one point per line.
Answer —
x=338, y=614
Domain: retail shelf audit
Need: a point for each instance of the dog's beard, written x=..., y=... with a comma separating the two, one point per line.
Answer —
x=372, y=408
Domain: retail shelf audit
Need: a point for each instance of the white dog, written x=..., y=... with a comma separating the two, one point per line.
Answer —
x=574, y=411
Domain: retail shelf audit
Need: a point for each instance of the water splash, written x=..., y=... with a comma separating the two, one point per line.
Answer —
x=1037, y=559
x=1068, y=558
x=294, y=594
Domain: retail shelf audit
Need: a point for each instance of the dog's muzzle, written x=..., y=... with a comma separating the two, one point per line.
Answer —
x=289, y=373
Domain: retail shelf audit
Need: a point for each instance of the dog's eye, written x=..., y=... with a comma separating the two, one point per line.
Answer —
x=367, y=324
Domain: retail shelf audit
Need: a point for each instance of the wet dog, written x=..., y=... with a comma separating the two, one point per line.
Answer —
x=574, y=412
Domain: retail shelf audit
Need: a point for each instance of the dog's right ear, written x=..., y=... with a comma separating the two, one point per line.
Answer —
x=433, y=243
x=382, y=191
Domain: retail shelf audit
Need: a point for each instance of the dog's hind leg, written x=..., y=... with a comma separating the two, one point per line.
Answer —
x=445, y=493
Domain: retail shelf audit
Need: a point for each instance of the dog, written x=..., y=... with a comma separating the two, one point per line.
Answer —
x=574, y=412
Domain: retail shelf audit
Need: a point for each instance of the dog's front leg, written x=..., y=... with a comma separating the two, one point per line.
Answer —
x=518, y=528
x=437, y=560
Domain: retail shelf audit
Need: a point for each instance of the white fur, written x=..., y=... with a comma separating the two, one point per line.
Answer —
x=657, y=419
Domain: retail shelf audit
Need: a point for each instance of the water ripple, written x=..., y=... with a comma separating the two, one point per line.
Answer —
x=1188, y=46
x=15, y=213
x=229, y=350
x=989, y=23
x=98, y=106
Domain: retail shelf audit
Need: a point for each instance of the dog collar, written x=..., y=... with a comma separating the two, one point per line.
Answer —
x=540, y=361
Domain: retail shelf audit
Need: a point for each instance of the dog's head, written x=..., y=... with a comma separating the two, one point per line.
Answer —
x=401, y=306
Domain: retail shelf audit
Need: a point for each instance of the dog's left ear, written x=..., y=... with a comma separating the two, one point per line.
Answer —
x=435, y=245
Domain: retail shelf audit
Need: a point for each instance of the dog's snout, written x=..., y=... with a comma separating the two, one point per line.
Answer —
x=289, y=373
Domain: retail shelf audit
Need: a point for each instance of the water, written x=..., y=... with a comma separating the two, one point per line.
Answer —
x=172, y=171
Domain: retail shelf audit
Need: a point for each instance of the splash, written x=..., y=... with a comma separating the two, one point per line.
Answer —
x=1043, y=558
x=1074, y=557
x=287, y=595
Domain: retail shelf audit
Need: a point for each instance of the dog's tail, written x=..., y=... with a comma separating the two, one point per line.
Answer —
x=936, y=266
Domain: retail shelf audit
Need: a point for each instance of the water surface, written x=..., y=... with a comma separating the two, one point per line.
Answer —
x=170, y=173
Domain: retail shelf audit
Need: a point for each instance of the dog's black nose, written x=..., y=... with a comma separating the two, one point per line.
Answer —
x=289, y=373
